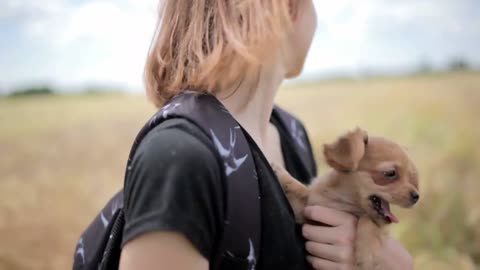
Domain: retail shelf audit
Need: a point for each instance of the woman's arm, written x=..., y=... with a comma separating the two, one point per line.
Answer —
x=396, y=255
x=161, y=250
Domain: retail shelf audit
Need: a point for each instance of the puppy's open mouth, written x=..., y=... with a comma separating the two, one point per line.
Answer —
x=383, y=209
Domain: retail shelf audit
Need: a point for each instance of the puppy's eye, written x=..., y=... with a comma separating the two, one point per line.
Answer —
x=391, y=174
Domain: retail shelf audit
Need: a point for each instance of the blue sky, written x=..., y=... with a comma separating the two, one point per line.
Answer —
x=78, y=43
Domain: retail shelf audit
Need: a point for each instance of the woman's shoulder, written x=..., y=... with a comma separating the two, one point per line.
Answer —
x=177, y=139
x=175, y=184
x=175, y=149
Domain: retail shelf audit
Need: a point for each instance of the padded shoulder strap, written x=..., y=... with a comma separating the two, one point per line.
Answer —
x=298, y=138
x=242, y=227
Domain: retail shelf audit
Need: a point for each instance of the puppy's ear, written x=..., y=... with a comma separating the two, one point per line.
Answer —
x=345, y=154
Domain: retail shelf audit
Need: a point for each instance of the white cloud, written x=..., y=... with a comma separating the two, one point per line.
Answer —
x=344, y=19
x=354, y=35
x=29, y=8
x=113, y=35
x=64, y=23
x=106, y=41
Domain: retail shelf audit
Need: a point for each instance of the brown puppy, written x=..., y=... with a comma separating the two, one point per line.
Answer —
x=368, y=175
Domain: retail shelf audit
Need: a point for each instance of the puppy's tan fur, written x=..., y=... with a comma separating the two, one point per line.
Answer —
x=362, y=167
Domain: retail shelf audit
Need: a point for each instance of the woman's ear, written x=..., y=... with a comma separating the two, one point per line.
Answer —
x=345, y=154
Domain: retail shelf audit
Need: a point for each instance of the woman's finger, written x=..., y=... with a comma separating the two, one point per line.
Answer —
x=321, y=264
x=329, y=216
x=333, y=253
x=320, y=234
x=329, y=235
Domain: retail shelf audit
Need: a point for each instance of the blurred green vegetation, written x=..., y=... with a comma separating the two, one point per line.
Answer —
x=62, y=157
x=38, y=91
x=32, y=91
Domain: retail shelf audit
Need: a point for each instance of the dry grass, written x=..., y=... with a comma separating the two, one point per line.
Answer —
x=62, y=157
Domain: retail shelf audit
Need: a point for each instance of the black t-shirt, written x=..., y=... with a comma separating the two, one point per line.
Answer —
x=176, y=185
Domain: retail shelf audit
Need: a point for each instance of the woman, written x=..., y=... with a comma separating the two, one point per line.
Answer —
x=240, y=51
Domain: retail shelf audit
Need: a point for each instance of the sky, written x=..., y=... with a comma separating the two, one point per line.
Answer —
x=82, y=43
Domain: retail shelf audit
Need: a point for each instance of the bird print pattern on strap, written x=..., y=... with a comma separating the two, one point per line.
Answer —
x=164, y=112
x=298, y=134
x=80, y=250
x=232, y=163
x=252, y=260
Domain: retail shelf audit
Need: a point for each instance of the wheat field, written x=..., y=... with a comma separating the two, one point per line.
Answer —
x=62, y=157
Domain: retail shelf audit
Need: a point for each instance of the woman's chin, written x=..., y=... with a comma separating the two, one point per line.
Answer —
x=292, y=74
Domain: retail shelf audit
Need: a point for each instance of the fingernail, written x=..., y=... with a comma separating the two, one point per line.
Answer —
x=308, y=247
x=309, y=259
x=305, y=231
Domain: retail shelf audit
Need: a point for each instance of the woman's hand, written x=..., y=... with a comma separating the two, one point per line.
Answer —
x=333, y=247
x=330, y=247
x=396, y=255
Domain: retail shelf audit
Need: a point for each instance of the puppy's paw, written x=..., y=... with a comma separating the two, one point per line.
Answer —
x=275, y=167
x=287, y=182
x=279, y=170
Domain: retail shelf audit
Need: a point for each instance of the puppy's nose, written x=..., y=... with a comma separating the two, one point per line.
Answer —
x=414, y=197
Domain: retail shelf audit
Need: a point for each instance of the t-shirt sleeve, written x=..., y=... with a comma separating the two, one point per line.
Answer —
x=175, y=185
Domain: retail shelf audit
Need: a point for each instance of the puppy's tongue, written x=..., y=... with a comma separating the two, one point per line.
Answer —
x=388, y=213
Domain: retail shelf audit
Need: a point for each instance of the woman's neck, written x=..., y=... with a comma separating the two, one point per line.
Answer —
x=252, y=102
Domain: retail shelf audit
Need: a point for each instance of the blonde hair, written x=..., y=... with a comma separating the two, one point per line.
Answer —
x=209, y=45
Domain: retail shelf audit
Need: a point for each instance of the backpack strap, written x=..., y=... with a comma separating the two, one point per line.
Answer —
x=297, y=138
x=242, y=226
x=99, y=245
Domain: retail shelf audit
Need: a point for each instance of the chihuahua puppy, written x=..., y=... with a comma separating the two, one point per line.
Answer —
x=369, y=174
